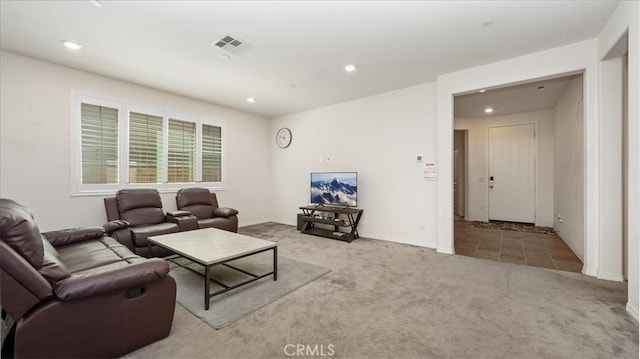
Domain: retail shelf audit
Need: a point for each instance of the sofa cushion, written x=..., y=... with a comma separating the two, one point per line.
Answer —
x=140, y=206
x=53, y=269
x=198, y=201
x=201, y=211
x=191, y=196
x=88, y=255
x=20, y=232
x=217, y=222
x=140, y=234
x=142, y=216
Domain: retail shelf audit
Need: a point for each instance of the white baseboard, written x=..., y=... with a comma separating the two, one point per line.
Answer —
x=632, y=311
x=611, y=277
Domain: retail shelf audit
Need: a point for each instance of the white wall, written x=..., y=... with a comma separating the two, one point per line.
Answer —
x=377, y=136
x=626, y=19
x=35, y=143
x=568, y=160
x=478, y=162
x=611, y=181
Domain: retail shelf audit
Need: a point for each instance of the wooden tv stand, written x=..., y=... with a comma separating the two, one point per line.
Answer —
x=318, y=221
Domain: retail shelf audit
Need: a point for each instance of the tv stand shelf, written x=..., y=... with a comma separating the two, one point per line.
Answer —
x=316, y=220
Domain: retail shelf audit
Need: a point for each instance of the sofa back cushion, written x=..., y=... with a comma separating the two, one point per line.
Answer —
x=198, y=201
x=53, y=269
x=20, y=232
x=140, y=206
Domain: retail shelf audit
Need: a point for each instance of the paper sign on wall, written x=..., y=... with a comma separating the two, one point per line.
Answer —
x=430, y=171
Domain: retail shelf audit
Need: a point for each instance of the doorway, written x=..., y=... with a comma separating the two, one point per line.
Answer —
x=512, y=185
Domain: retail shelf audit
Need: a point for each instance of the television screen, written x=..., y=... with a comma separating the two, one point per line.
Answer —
x=334, y=188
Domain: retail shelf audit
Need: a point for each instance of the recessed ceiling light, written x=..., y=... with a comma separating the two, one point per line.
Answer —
x=350, y=68
x=224, y=57
x=251, y=100
x=71, y=45
x=488, y=110
x=482, y=91
x=97, y=3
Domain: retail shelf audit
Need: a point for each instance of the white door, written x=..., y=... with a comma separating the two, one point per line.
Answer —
x=512, y=173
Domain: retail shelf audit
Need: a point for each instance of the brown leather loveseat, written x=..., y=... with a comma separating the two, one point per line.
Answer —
x=204, y=206
x=139, y=214
x=77, y=292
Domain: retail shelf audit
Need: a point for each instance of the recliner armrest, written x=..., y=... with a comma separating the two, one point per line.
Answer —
x=184, y=219
x=72, y=235
x=224, y=212
x=113, y=226
x=96, y=283
x=179, y=213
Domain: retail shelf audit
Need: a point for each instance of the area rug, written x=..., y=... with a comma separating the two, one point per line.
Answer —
x=513, y=226
x=228, y=307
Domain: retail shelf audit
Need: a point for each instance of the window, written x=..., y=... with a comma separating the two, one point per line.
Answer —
x=99, y=144
x=120, y=145
x=182, y=151
x=211, y=153
x=145, y=148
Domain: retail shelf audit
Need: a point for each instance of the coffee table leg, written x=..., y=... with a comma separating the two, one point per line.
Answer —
x=206, y=288
x=275, y=263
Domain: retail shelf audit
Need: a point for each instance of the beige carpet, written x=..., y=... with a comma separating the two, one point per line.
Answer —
x=388, y=300
x=233, y=305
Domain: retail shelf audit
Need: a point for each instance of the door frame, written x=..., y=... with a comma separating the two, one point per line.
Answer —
x=465, y=167
x=576, y=58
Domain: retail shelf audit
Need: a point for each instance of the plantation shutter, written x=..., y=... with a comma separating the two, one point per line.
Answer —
x=182, y=151
x=145, y=148
x=211, y=153
x=99, y=133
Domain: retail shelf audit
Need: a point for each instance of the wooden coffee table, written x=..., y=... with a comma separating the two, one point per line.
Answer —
x=210, y=247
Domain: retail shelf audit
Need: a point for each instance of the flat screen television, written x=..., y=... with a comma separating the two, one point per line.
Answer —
x=334, y=188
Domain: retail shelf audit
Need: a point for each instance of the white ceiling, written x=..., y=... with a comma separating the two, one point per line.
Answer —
x=532, y=96
x=299, y=49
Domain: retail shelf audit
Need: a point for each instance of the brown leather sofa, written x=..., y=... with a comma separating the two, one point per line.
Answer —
x=77, y=292
x=137, y=214
x=204, y=206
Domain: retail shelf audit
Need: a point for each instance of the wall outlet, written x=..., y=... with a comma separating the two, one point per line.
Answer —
x=560, y=218
x=422, y=226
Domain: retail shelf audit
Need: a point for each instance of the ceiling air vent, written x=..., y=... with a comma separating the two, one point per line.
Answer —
x=232, y=44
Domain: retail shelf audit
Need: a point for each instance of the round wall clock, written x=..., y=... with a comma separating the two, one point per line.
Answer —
x=283, y=137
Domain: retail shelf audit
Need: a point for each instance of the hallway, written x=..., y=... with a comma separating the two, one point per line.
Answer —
x=518, y=247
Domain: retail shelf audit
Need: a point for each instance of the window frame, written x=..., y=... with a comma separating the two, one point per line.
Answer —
x=124, y=108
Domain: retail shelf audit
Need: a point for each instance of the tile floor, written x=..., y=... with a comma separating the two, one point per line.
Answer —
x=531, y=249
